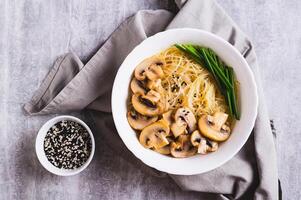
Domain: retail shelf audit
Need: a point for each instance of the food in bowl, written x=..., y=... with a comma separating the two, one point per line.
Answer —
x=67, y=145
x=183, y=101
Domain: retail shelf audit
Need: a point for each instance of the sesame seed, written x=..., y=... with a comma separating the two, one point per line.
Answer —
x=67, y=145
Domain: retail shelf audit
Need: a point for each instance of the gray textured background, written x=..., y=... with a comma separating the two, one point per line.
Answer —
x=34, y=33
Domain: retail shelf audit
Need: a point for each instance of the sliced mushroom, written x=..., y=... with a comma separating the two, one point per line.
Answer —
x=195, y=138
x=178, y=128
x=150, y=68
x=164, y=150
x=155, y=71
x=184, y=122
x=138, y=86
x=214, y=127
x=220, y=118
x=154, y=135
x=168, y=117
x=153, y=96
x=154, y=85
x=145, y=106
x=203, y=144
x=182, y=147
x=211, y=145
x=138, y=121
x=186, y=115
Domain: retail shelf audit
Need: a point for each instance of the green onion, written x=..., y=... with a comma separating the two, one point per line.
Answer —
x=217, y=69
x=228, y=95
x=234, y=101
x=223, y=75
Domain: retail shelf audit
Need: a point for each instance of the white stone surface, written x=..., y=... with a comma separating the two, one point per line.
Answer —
x=34, y=33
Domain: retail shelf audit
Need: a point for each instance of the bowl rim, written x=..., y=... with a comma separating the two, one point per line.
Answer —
x=178, y=171
x=39, y=146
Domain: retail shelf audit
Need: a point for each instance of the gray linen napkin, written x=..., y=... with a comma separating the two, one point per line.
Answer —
x=73, y=86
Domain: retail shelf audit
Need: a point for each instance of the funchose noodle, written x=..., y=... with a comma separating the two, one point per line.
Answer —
x=188, y=84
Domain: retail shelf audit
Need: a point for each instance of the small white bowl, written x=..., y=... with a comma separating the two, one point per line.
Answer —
x=248, y=101
x=40, y=147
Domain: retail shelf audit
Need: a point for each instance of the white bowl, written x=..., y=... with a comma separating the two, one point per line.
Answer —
x=248, y=99
x=40, y=147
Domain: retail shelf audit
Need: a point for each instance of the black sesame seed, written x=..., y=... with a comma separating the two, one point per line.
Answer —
x=67, y=145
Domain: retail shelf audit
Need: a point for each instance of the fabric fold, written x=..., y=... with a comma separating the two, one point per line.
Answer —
x=71, y=85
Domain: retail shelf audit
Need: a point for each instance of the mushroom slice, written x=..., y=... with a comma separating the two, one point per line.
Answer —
x=178, y=128
x=195, y=138
x=150, y=68
x=138, y=121
x=186, y=115
x=164, y=150
x=182, y=147
x=154, y=85
x=204, y=145
x=211, y=145
x=220, y=119
x=154, y=135
x=214, y=128
x=184, y=121
x=138, y=86
x=145, y=106
x=153, y=96
x=155, y=71
x=168, y=117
